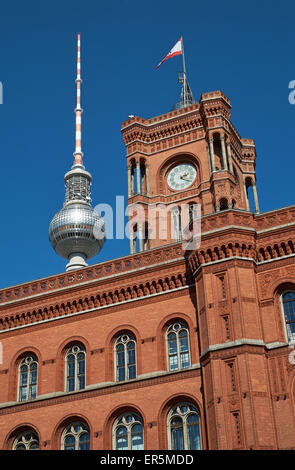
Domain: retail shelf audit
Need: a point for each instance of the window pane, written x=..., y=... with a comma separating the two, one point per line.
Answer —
x=137, y=437
x=81, y=381
x=131, y=356
x=183, y=339
x=81, y=364
x=71, y=365
x=290, y=310
x=194, y=440
x=177, y=434
x=34, y=446
x=23, y=394
x=20, y=447
x=70, y=384
x=121, y=438
x=289, y=296
x=69, y=443
x=33, y=392
x=172, y=344
x=173, y=362
x=120, y=357
x=121, y=374
x=131, y=372
x=84, y=443
x=185, y=360
x=24, y=376
x=33, y=376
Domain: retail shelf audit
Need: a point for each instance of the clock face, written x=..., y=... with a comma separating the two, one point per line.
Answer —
x=181, y=176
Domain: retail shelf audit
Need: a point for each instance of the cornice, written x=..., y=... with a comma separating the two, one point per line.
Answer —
x=133, y=264
x=249, y=342
x=39, y=322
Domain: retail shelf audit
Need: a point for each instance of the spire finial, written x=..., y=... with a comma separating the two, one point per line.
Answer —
x=78, y=111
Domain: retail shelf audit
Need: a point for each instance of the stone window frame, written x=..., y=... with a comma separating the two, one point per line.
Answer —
x=124, y=339
x=26, y=439
x=69, y=431
x=75, y=349
x=28, y=360
x=290, y=338
x=192, y=410
x=171, y=328
x=136, y=419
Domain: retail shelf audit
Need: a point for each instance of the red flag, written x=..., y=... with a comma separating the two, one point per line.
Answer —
x=176, y=50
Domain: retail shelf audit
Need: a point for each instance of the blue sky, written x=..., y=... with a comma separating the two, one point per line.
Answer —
x=245, y=49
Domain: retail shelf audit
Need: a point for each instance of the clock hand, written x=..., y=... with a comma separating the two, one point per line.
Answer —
x=183, y=178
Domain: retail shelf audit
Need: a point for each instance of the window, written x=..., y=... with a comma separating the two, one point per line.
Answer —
x=176, y=223
x=125, y=357
x=178, y=346
x=226, y=327
x=184, y=428
x=75, y=368
x=232, y=378
x=76, y=436
x=288, y=302
x=28, y=374
x=27, y=440
x=222, y=287
x=128, y=432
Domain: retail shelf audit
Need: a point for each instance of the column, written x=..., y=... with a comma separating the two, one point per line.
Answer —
x=138, y=176
x=246, y=196
x=129, y=181
x=229, y=156
x=147, y=181
x=224, y=160
x=140, y=237
x=212, y=154
x=210, y=162
x=132, y=181
x=255, y=197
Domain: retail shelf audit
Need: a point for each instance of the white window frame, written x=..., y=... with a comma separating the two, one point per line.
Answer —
x=21, y=439
x=184, y=417
x=76, y=434
x=137, y=419
x=290, y=340
x=81, y=348
x=25, y=361
x=128, y=337
x=183, y=326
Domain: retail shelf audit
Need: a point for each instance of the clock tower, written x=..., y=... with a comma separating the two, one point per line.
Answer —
x=190, y=157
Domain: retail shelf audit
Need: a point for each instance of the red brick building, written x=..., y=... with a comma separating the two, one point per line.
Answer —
x=165, y=348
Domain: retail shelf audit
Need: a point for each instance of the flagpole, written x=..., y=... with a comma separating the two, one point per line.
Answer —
x=184, y=90
x=183, y=59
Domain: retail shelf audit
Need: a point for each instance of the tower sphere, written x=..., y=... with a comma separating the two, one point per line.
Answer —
x=75, y=229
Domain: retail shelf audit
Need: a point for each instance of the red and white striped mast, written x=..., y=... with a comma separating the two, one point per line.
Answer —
x=78, y=154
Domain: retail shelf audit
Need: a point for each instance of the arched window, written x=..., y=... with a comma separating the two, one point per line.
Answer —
x=27, y=378
x=27, y=440
x=128, y=432
x=183, y=426
x=193, y=212
x=288, y=302
x=125, y=357
x=76, y=436
x=178, y=351
x=176, y=223
x=75, y=368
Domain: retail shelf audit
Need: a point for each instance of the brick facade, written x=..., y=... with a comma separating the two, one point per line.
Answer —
x=227, y=292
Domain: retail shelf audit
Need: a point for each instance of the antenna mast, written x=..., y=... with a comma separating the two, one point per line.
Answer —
x=78, y=110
